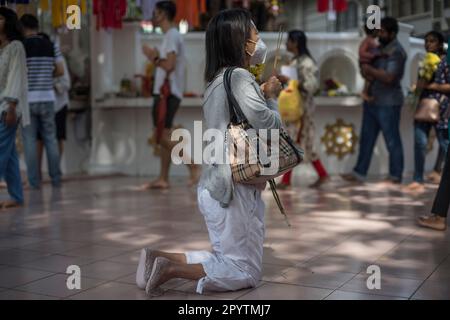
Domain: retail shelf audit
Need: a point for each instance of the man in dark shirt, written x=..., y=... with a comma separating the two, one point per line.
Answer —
x=383, y=112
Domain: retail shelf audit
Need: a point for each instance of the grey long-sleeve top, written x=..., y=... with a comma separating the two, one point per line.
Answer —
x=261, y=114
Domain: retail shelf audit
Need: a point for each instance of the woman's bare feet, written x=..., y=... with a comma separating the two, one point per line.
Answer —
x=434, y=177
x=351, y=178
x=433, y=222
x=415, y=187
x=9, y=205
x=159, y=184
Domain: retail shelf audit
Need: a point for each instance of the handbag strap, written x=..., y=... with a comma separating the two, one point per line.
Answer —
x=273, y=187
x=236, y=114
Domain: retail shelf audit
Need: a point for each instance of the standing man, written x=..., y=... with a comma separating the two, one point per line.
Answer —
x=43, y=66
x=170, y=61
x=383, y=112
x=62, y=87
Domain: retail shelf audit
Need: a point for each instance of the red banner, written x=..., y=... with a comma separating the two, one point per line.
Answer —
x=338, y=5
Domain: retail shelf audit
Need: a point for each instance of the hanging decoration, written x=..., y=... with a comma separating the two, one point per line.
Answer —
x=110, y=13
x=324, y=6
x=190, y=11
x=340, y=139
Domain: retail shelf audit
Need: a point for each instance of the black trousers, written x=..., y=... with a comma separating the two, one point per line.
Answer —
x=173, y=104
x=442, y=201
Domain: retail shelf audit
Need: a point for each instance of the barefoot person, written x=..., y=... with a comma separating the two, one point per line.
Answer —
x=62, y=87
x=234, y=213
x=43, y=65
x=438, y=218
x=13, y=103
x=383, y=112
x=434, y=43
x=171, y=63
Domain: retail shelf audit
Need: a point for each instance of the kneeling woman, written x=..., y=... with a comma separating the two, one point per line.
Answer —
x=234, y=214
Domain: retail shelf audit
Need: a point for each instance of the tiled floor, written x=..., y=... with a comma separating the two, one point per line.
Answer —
x=336, y=233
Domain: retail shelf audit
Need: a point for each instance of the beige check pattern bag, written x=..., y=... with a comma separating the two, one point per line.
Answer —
x=246, y=165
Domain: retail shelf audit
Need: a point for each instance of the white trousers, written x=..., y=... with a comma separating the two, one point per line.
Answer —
x=237, y=238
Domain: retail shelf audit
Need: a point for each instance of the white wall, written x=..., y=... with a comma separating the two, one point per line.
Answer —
x=120, y=133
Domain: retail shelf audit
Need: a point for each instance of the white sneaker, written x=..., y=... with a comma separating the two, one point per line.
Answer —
x=145, y=267
x=159, y=267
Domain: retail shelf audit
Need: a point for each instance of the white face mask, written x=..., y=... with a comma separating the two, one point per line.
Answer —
x=260, y=54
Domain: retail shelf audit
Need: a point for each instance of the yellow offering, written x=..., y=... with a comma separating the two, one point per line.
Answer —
x=429, y=66
x=290, y=103
x=257, y=71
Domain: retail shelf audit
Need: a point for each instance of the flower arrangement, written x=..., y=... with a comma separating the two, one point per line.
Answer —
x=257, y=71
x=428, y=66
x=334, y=88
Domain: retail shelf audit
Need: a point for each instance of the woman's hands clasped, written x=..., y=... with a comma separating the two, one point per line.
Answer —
x=272, y=88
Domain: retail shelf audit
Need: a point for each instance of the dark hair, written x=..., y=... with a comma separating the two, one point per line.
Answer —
x=169, y=8
x=13, y=28
x=440, y=38
x=390, y=24
x=437, y=35
x=30, y=22
x=299, y=37
x=226, y=37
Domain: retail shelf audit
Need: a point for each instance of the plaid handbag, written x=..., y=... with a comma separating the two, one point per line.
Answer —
x=245, y=147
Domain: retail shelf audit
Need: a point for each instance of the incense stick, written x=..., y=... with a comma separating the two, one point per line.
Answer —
x=277, y=54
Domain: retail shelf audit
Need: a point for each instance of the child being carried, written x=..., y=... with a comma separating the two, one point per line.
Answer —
x=369, y=51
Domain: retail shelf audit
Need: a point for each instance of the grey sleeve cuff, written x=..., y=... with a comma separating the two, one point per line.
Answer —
x=272, y=104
